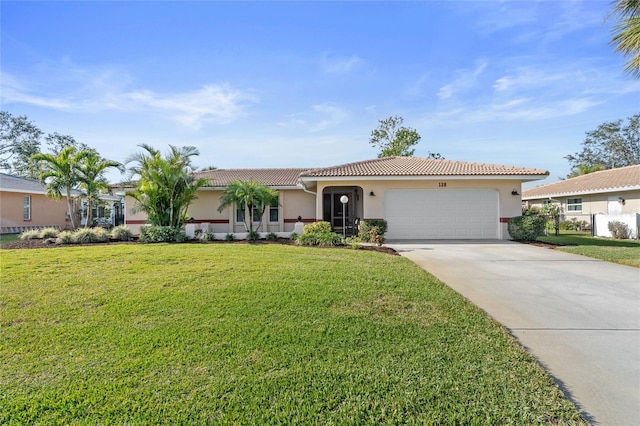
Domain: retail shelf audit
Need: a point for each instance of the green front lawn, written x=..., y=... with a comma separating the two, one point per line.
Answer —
x=8, y=238
x=625, y=252
x=253, y=334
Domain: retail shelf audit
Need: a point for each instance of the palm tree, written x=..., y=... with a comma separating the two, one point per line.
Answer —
x=627, y=33
x=166, y=186
x=58, y=174
x=248, y=195
x=90, y=171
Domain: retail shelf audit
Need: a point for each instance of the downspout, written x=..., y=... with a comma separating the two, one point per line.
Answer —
x=304, y=188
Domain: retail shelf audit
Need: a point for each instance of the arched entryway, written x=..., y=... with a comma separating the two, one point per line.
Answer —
x=343, y=218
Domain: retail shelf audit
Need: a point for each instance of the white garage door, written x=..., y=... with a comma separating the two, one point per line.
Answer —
x=442, y=214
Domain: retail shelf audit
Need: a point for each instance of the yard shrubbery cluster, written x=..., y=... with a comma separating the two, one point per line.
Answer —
x=80, y=236
x=162, y=234
x=319, y=234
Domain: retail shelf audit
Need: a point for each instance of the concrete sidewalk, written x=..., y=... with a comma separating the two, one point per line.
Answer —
x=580, y=317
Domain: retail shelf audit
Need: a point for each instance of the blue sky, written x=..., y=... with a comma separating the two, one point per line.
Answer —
x=303, y=84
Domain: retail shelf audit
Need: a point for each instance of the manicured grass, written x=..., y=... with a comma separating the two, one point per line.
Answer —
x=253, y=334
x=8, y=238
x=625, y=252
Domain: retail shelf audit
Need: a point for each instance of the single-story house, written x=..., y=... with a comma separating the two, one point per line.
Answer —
x=420, y=198
x=610, y=192
x=24, y=205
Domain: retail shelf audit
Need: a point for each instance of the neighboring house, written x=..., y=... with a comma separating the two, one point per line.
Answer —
x=610, y=192
x=420, y=198
x=24, y=205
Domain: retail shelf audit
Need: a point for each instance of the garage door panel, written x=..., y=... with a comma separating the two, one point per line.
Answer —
x=442, y=214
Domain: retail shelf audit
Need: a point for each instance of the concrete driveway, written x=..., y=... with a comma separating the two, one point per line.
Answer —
x=580, y=317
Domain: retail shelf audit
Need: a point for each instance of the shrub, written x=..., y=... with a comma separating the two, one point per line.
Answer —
x=253, y=235
x=229, y=237
x=317, y=227
x=294, y=236
x=619, y=230
x=207, y=236
x=526, y=228
x=353, y=242
x=162, y=234
x=49, y=233
x=90, y=235
x=271, y=236
x=65, y=237
x=372, y=231
x=34, y=234
x=319, y=239
x=121, y=233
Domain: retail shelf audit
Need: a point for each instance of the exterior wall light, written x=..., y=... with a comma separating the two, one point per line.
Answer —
x=372, y=194
x=515, y=192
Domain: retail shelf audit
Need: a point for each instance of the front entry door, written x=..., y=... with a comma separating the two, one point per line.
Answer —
x=337, y=214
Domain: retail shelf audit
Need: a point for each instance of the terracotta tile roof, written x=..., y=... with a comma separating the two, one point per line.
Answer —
x=268, y=177
x=11, y=183
x=624, y=178
x=412, y=166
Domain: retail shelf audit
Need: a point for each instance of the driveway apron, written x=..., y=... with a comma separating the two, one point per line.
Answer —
x=580, y=317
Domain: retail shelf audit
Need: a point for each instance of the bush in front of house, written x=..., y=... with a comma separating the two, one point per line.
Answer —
x=372, y=231
x=272, y=236
x=619, y=230
x=319, y=234
x=65, y=237
x=162, y=234
x=207, y=236
x=526, y=228
x=121, y=233
x=34, y=234
x=49, y=233
x=90, y=235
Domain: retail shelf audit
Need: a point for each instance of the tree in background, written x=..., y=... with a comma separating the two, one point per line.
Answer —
x=90, y=168
x=627, y=33
x=610, y=146
x=19, y=141
x=166, y=185
x=58, y=173
x=393, y=139
x=248, y=195
x=57, y=142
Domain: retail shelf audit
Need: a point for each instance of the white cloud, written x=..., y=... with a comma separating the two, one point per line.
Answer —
x=108, y=90
x=340, y=64
x=322, y=117
x=464, y=79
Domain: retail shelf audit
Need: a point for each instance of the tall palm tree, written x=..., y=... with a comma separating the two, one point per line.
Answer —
x=166, y=185
x=90, y=171
x=58, y=173
x=248, y=195
x=627, y=33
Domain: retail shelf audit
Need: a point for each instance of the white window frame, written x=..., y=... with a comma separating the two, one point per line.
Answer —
x=26, y=207
x=275, y=207
x=576, y=204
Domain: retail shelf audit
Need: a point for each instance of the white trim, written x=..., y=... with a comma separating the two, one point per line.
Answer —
x=587, y=192
x=524, y=178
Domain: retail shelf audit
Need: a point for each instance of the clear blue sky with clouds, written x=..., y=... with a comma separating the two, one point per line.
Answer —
x=303, y=84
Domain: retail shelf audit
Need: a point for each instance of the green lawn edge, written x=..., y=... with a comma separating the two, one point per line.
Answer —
x=624, y=252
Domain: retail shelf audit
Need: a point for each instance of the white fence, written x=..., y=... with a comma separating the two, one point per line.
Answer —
x=601, y=224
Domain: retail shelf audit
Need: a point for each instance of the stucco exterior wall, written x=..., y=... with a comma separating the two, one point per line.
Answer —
x=293, y=203
x=373, y=206
x=596, y=204
x=44, y=210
